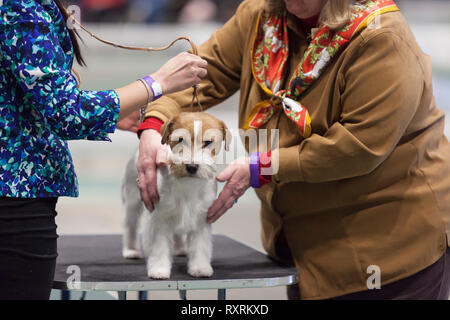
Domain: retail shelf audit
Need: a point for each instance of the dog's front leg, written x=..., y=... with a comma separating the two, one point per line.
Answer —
x=200, y=252
x=159, y=244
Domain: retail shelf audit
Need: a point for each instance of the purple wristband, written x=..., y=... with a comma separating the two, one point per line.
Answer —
x=254, y=170
x=151, y=83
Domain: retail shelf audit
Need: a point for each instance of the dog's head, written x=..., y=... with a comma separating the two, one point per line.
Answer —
x=195, y=140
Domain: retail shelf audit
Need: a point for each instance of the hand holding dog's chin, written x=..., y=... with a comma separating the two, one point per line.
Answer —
x=151, y=155
x=237, y=177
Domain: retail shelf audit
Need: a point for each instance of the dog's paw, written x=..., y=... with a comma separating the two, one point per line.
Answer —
x=158, y=273
x=131, y=254
x=200, y=271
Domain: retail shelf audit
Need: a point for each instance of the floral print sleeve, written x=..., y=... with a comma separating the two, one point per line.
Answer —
x=31, y=50
x=40, y=104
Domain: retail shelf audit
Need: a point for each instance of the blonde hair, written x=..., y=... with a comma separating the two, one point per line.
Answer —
x=335, y=14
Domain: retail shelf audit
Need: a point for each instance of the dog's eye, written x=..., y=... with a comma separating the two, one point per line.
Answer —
x=206, y=143
x=180, y=140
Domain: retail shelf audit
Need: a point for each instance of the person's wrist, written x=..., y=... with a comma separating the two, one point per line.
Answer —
x=149, y=96
x=154, y=130
x=161, y=80
x=154, y=86
x=151, y=123
x=151, y=133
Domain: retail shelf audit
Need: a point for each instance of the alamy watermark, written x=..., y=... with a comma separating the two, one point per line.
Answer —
x=374, y=280
x=74, y=12
x=73, y=282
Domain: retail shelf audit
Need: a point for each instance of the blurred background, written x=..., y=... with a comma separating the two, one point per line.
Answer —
x=156, y=11
x=154, y=23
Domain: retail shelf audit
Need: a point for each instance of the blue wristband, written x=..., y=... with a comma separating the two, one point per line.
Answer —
x=254, y=170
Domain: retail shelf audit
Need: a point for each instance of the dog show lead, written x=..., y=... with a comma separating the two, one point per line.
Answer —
x=41, y=108
x=363, y=180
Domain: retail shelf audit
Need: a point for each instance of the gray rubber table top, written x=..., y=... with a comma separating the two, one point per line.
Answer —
x=99, y=258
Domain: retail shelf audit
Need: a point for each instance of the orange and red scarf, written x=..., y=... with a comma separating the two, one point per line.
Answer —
x=270, y=53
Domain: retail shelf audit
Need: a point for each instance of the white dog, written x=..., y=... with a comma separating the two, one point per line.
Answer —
x=187, y=187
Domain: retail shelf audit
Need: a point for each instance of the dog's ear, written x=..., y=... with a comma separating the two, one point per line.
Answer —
x=166, y=131
x=227, y=136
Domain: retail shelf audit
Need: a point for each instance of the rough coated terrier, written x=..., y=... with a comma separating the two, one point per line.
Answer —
x=187, y=188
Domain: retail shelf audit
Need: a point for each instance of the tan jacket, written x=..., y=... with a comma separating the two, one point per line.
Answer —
x=371, y=186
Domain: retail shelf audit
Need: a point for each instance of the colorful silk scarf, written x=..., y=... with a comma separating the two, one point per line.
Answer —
x=270, y=53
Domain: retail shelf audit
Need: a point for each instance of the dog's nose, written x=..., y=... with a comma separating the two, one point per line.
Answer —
x=192, y=168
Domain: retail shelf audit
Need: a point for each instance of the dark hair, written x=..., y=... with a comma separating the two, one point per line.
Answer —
x=73, y=33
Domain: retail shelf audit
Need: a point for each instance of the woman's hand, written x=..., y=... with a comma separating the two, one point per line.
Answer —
x=151, y=155
x=181, y=72
x=237, y=175
x=130, y=123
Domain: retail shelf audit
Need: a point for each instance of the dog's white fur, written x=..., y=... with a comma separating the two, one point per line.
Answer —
x=178, y=223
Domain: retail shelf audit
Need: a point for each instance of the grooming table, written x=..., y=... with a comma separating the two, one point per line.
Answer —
x=102, y=268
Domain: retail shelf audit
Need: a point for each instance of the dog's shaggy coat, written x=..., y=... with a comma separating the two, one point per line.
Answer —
x=187, y=188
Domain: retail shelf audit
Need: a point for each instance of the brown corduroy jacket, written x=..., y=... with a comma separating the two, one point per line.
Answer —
x=371, y=186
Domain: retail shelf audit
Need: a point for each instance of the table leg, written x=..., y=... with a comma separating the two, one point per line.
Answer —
x=183, y=294
x=222, y=294
x=122, y=295
x=143, y=295
x=65, y=295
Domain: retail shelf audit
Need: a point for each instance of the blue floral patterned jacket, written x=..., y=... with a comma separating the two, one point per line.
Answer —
x=40, y=105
